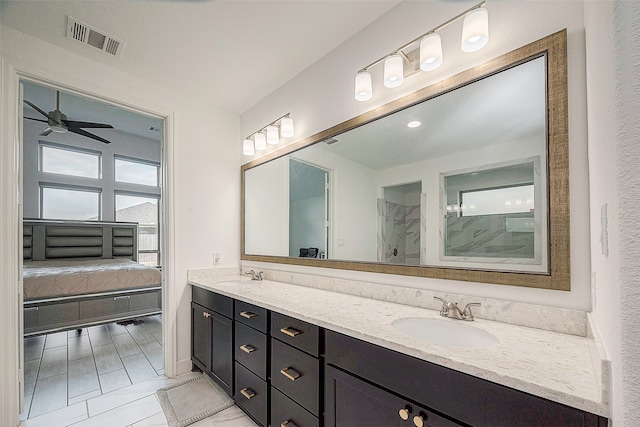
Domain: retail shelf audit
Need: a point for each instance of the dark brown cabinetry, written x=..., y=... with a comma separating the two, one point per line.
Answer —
x=251, y=356
x=296, y=372
x=212, y=336
x=453, y=395
x=286, y=372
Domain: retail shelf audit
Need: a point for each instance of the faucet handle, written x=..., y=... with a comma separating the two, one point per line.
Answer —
x=260, y=273
x=468, y=315
x=445, y=306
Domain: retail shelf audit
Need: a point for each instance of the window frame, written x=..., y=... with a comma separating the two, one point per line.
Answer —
x=130, y=159
x=158, y=197
x=68, y=187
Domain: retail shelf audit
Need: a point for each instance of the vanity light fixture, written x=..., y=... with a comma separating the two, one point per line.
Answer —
x=247, y=148
x=260, y=141
x=269, y=134
x=400, y=64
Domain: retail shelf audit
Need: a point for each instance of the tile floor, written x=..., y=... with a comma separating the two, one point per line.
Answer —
x=103, y=376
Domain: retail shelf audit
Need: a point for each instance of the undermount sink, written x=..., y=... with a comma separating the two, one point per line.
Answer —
x=449, y=332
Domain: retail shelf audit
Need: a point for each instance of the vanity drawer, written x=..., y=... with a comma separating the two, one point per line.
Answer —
x=296, y=374
x=299, y=334
x=216, y=302
x=287, y=413
x=251, y=315
x=251, y=394
x=251, y=349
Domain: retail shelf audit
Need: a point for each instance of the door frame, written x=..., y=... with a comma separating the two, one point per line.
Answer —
x=11, y=364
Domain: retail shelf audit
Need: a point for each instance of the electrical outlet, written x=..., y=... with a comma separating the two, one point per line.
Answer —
x=216, y=258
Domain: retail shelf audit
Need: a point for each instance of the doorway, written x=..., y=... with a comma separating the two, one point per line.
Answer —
x=94, y=174
x=309, y=210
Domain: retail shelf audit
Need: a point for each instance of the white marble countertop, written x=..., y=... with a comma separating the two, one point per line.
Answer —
x=559, y=367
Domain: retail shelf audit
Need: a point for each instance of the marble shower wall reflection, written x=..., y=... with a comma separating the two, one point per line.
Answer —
x=399, y=231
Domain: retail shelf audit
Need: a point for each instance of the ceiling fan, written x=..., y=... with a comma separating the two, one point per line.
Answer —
x=57, y=122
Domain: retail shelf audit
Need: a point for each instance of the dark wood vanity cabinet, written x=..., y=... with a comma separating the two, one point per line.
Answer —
x=212, y=336
x=356, y=369
x=286, y=372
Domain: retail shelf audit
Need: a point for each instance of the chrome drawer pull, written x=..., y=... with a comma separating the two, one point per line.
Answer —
x=248, y=393
x=123, y=297
x=247, y=348
x=248, y=314
x=31, y=308
x=290, y=373
x=292, y=332
x=288, y=423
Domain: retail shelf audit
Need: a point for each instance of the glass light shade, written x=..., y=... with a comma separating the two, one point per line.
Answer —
x=430, y=52
x=286, y=127
x=364, y=91
x=260, y=141
x=475, y=30
x=247, y=148
x=272, y=135
x=393, y=71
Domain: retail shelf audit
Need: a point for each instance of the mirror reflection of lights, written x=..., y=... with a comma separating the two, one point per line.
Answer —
x=414, y=124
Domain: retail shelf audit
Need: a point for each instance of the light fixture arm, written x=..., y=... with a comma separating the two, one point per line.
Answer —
x=262, y=129
x=400, y=50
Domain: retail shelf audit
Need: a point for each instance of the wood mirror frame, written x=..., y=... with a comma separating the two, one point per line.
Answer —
x=554, y=47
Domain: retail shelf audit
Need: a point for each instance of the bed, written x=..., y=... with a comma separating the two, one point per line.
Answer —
x=78, y=274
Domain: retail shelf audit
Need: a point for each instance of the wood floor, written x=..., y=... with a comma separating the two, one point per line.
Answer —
x=65, y=368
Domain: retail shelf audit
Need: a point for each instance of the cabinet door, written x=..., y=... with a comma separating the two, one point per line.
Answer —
x=222, y=351
x=201, y=337
x=350, y=401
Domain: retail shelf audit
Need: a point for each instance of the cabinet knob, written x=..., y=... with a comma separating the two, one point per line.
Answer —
x=405, y=412
x=247, y=348
x=248, y=314
x=288, y=423
x=207, y=315
x=419, y=420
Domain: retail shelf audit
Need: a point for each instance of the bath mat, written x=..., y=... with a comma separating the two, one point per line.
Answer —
x=192, y=400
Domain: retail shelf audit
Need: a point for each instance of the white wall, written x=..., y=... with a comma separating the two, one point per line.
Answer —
x=613, y=89
x=203, y=183
x=322, y=96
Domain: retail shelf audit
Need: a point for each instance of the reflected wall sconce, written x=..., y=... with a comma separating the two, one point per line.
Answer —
x=428, y=56
x=269, y=134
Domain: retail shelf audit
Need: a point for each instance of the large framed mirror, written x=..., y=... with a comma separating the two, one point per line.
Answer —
x=466, y=179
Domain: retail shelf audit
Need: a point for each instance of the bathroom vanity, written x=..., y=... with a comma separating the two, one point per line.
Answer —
x=308, y=357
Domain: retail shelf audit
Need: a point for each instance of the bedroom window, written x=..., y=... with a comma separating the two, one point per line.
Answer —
x=65, y=160
x=143, y=209
x=136, y=171
x=67, y=202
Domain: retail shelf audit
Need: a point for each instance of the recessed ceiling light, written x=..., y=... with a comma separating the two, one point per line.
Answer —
x=414, y=124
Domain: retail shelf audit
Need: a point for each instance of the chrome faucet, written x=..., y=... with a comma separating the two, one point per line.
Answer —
x=254, y=275
x=451, y=310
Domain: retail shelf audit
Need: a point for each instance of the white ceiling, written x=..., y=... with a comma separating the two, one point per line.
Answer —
x=231, y=53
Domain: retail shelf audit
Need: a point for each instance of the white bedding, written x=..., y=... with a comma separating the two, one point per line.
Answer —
x=47, y=279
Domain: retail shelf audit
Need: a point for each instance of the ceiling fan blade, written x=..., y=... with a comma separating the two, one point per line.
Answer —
x=72, y=124
x=35, y=107
x=46, y=132
x=89, y=135
x=37, y=120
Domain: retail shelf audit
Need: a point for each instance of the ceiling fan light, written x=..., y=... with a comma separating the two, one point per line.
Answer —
x=247, y=148
x=260, y=141
x=286, y=127
x=58, y=128
x=363, y=89
x=431, y=52
x=475, y=30
x=393, y=71
x=272, y=135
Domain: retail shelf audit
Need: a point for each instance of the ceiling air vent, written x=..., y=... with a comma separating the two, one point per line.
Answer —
x=330, y=141
x=86, y=34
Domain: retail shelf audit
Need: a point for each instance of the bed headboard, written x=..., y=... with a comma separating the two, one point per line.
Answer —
x=56, y=240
